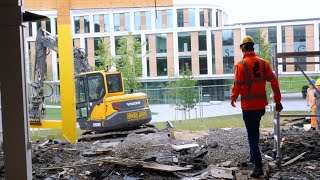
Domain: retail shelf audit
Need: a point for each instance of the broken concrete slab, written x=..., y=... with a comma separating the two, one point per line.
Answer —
x=184, y=147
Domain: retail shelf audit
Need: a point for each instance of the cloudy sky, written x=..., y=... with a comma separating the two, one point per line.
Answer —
x=257, y=10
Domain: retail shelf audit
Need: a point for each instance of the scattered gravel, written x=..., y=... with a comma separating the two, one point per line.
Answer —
x=232, y=145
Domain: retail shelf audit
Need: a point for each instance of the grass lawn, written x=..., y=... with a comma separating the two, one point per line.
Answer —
x=222, y=122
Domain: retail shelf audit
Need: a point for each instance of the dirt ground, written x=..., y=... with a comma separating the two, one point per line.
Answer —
x=57, y=159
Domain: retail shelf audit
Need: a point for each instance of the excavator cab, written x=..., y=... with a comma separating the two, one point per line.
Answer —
x=103, y=106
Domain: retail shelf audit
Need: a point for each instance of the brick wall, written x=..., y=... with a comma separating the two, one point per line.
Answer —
x=101, y=20
x=122, y=22
x=170, y=54
x=236, y=41
x=195, y=53
x=76, y=42
x=310, y=46
x=143, y=20
x=218, y=51
x=289, y=46
x=90, y=42
x=81, y=24
x=185, y=18
x=164, y=19
x=152, y=55
x=206, y=17
x=88, y=4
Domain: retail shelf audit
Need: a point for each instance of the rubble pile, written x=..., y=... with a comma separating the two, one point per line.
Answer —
x=300, y=152
x=220, y=155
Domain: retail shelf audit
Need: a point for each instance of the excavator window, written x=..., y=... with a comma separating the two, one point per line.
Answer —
x=114, y=83
x=96, y=87
x=81, y=98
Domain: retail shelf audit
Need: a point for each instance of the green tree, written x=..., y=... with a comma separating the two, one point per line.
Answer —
x=264, y=53
x=104, y=56
x=184, y=90
x=129, y=61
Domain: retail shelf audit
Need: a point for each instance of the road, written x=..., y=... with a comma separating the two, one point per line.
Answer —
x=290, y=102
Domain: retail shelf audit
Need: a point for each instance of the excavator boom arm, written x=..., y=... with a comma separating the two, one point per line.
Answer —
x=45, y=41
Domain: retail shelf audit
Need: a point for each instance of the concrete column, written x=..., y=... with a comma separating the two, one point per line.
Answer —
x=170, y=54
x=91, y=24
x=218, y=48
x=279, y=47
x=16, y=145
x=153, y=20
x=310, y=45
x=131, y=21
x=195, y=53
x=197, y=17
x=214, y=18
x=26, y=30
x=289, y=46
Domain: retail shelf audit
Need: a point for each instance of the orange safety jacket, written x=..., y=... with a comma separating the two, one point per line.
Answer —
x=250, y=78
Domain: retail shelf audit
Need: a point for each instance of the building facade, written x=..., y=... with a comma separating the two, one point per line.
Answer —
x=176, y=32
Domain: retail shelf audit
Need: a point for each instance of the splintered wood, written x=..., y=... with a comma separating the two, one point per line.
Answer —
x=147, y=165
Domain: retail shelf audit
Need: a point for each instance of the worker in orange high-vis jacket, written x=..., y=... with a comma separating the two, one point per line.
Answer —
x=311, y=102
x=250, y=76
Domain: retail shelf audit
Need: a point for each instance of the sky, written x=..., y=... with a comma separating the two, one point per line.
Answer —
x=270, y=10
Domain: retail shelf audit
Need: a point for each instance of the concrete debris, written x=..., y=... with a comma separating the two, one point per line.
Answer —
x=134, y=163
x=219, y=155
x=228, y=164
x=184, y=147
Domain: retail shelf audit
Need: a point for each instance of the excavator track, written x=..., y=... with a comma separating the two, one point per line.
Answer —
x=108, y=135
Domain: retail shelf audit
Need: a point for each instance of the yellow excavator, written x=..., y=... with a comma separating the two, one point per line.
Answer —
x=101, y=103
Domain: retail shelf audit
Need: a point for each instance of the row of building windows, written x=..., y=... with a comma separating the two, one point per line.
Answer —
x=185, y=39
x=142, y=21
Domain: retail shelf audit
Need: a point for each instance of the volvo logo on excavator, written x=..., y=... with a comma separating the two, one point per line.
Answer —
x=133, y=103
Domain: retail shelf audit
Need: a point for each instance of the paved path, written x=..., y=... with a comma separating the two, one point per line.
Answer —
x=290, y=102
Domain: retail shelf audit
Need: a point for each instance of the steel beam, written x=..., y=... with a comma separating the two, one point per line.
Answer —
x=67, y=86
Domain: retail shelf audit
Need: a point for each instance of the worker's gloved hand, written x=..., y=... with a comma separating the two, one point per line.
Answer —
x=279, y=107
x=233, y=103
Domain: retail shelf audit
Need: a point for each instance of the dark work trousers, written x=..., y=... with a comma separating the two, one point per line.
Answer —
x=252, y=120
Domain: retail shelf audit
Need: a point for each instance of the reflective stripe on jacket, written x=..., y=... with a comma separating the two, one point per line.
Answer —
x=250, y=78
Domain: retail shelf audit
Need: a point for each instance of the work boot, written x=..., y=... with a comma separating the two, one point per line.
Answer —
x=257, y=172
